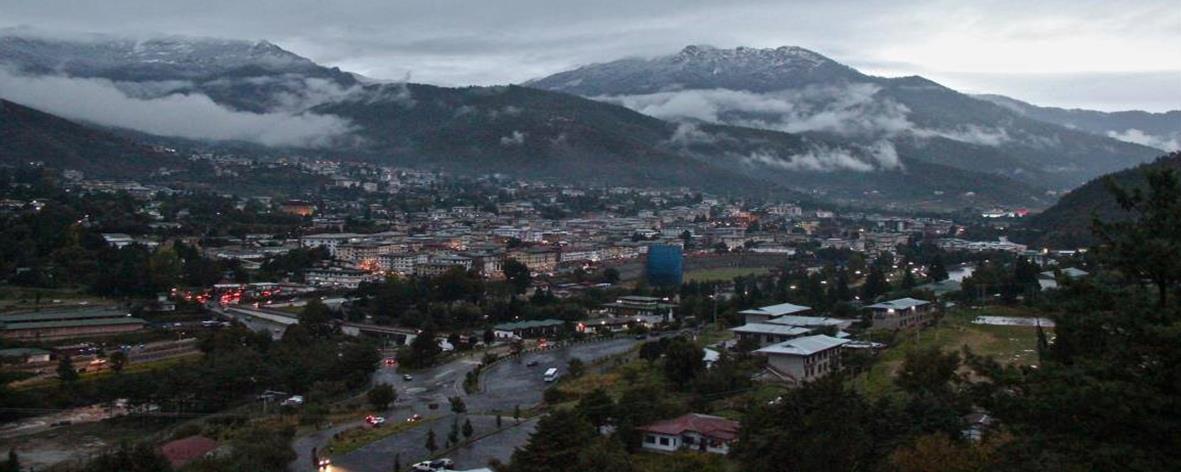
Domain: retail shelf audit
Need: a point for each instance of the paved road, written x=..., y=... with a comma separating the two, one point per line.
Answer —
x=507, y=384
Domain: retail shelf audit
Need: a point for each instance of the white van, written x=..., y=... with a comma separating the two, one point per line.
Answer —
x=551, y=374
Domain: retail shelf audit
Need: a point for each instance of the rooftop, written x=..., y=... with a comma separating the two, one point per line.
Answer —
x=528, y=324
x=899, y=304
x=713, y=426
x=804, y=346
x=796, y=320
x=766, y=328
x=776, y=310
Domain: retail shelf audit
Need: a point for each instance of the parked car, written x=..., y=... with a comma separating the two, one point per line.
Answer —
x=433, y=466
x=407, y=377
x=531, y=363
x=414, y=418
x=375, y=420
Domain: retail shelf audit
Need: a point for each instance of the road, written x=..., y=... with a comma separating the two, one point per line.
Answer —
x=506, y=385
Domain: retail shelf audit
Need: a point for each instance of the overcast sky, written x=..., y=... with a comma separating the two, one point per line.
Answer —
x=1107, y=55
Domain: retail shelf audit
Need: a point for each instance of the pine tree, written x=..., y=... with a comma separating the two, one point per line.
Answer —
x=431, y=445
x=468, y=431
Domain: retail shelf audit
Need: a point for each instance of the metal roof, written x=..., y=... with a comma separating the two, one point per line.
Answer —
x=804, y=346
x=776, y=310
x=899, y=304
x=765, y=328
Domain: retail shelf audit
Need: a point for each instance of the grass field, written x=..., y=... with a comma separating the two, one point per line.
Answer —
x=723, y=273
x=1007, y=344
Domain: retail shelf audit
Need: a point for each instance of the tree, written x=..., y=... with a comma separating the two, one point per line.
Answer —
x=555, y=445
x=489, y=337
x=498, y=421
x=517, y=412
x=381, y=395
x=938, y=453
x=604, y=454
x=431, y=445
x=317, y=319
x=937, y=272
x=611, y=275
x=468, y=431
x=875, y=284
x=117, y=360
x=142, y=457
x=457, y=405
x=453, y=433
x=683, y=360
x=576, y=367
x=597, y=407
x=1145, y=246
x=787, y=436
x=66, y=372
x=13, y=464
x=397, y=462
x=517, y=274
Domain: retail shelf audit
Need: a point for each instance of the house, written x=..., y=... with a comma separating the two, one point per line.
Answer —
x=1049, y=279
x=185, y=450
x=693, y=431
x=759, y=315
x=24, y=354
x=804, y=359
x=902, y=313
x=528, y=329
x=762, y=334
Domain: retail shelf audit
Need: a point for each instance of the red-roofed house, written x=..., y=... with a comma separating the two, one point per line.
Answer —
x=185, y=450
x=693, y=431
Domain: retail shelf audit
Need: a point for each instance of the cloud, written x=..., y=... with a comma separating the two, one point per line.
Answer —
x=972, y=134
x=820, y=158
x=517, y=139
x=688, y=134
x=157, y=111
x=846, y=109
x=1133, y=135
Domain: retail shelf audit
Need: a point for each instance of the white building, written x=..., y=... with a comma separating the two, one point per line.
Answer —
x=804, y=359
x=694, y=432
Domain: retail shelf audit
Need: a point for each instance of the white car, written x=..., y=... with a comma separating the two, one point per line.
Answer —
x=436, y=465
x=375, y=420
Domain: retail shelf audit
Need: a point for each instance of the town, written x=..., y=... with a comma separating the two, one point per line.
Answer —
x=487, y=306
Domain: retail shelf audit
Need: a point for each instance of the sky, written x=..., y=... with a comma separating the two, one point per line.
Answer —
x=1104, y=55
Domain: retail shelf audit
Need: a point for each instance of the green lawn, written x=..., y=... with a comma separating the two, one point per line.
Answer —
x=1008, y=344
x=723, y=273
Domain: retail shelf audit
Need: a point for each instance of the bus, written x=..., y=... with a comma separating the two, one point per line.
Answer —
x=551, y=374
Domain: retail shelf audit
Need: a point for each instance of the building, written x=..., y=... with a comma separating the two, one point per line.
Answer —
x=528, y=329
x=759, y=315
x=1049, y=279
x=665, y=265
x=338, y=277
x=902, y=313
x=539, y=260
x=635, y=306
x=804, y=359
x=812, y=322
x=298, y=208
x=695, y=432
x=762, y=334
x=29, y=355
x=68, y=324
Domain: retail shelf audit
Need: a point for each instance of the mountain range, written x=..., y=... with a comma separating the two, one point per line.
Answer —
x=1068, y=223
x=783, y=121
x=28, y=135
x=795, y=90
